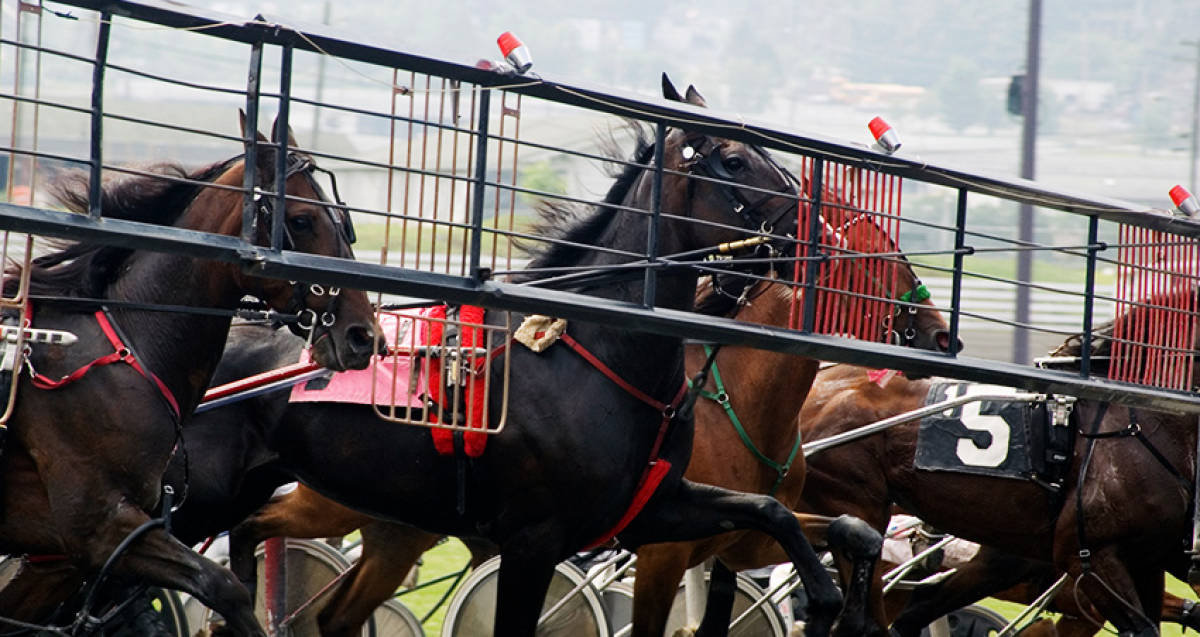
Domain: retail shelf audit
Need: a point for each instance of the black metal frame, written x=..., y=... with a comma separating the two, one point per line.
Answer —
x=477, y=289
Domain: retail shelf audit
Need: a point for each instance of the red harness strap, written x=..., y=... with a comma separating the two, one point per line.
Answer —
x=122, y=354
x=474, y=443
x=656, y=469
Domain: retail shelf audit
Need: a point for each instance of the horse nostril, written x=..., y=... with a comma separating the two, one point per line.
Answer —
x=361, y=339
x=943, y=341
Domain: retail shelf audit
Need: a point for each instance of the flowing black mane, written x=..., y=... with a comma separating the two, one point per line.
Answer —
x=85, y=270
x=573, y=226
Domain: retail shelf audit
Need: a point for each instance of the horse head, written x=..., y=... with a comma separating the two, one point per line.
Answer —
x=730, y=190
x=879, y=269
x=340, y=323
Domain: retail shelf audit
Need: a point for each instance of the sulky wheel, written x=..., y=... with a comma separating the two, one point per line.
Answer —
x=764, y=621
x=394, y=619
x=311, y=565
x=972, y=621
x=473, y=607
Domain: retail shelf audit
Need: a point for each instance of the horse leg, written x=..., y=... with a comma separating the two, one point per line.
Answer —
x=660, y=568
x=696, y=511
x=989, y=572
x=718, y=611
x=37, y=589
x=526, y=570
x=389, y=552
x=856, y=547
x=1115, y=592
x=301, y=513
x=158, y=559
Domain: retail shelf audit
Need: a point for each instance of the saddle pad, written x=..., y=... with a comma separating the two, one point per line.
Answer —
x=392, y=375
x=989, y=437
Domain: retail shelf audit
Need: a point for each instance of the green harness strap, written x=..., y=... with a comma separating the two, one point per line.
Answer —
x=721, y=397
x=915, y=295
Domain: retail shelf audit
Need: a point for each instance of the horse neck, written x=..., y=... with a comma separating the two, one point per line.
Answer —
x=181, y=348
x=768, y=388
x=626, y=351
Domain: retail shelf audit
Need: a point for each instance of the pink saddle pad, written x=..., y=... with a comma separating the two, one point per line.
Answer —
x=392, y=375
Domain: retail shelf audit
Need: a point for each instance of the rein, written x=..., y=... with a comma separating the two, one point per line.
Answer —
x=721, y=397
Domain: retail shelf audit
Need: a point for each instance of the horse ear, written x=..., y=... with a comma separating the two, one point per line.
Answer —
x=695, y=98
x=291, y=137
x=669, y=90
x=242, y=121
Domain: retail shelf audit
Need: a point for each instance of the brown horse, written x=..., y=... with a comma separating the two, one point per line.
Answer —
x=1134, y=505
x=764, y=390
x=85, y=457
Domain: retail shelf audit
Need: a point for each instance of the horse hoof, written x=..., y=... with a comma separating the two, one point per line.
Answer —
x=686, y=631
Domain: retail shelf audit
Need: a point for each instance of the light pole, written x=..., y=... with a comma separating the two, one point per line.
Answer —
x=1029, y=106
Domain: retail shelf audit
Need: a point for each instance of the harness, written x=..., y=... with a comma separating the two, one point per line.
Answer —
x=305, y=166
x=909, y=299
x=1132, y=430
x=122, y=354
x=721, y=397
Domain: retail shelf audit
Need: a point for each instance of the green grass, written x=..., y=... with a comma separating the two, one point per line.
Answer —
x=448, y=557
x=1011, y=610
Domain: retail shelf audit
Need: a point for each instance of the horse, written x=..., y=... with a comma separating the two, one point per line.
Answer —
x=571, y=460
x=1127, y=505
x=94, y=425
x=762, y=390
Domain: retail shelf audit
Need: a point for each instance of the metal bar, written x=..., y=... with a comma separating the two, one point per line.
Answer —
x=1089, y=299
x=477, y=194
x=281, y=150
x=893, y=577
x=1037, y=606
x=812, y=268
x=250, y=143
x=506, y=296
x=650, y=291
x=97, y=126
x=816, y=446
x=956, y=278
x=332, y=42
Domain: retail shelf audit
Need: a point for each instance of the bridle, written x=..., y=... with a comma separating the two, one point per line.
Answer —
x=707, y=162
x=310, y=317
x=702, y=157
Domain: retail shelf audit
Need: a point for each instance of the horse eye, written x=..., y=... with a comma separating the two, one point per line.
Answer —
x=734, y=163
x=300, y=223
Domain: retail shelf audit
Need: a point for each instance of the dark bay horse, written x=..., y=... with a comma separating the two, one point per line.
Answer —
x=569, y=462
x=764, y=390
x=85, y=456
x=1134, y=506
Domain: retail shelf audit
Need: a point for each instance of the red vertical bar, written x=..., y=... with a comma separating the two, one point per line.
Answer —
x=1122, y=293
x=275, y=582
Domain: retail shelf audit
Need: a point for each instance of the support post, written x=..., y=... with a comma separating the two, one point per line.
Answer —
x=480, y=183
x=1029, y=108
x=1089, y=298
x=250, y=143
x=812, y=268
x=650, y=286
x=96, y=157
x=281, y=140
x=960, y=247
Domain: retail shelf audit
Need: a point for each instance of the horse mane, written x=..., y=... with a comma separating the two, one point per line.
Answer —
x=1103, y=335
x=572, y=226
x=85, y=270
